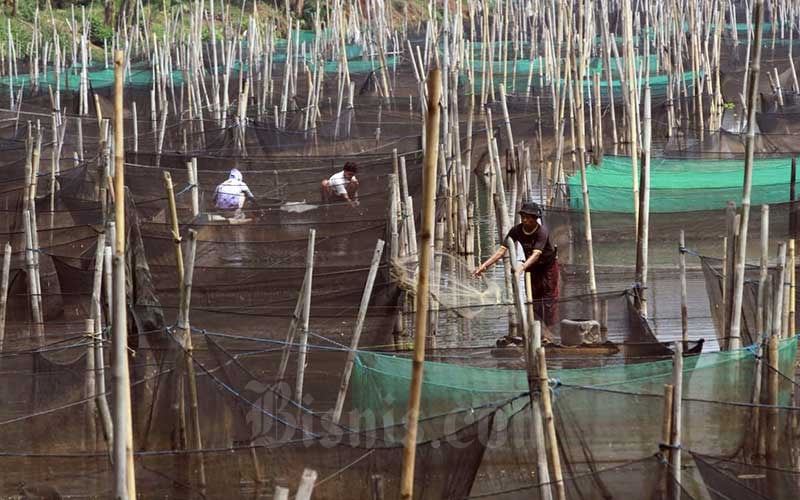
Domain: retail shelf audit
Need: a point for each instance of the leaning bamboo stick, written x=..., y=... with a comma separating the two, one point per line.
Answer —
x=186, y=341
x=4, y=291
x=303, y=350
x=533, y=342
x=362, y=312
x=550, y=425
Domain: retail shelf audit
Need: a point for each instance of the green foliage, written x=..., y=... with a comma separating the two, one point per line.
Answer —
x=309, y=10
x=98, y=31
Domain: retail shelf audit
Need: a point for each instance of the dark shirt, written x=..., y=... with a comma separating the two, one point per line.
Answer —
x=538, y=240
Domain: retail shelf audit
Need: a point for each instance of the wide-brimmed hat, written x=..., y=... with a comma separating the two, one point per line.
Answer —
x=531, y=208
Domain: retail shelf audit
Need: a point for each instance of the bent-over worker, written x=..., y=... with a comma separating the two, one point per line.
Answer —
x=343, y=185
x=231, y=194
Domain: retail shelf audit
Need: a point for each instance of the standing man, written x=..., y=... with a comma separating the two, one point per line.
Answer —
x=343, y=185
x=231, y=194
x=541, y=261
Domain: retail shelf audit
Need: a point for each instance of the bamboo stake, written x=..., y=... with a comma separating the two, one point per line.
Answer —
x=32, y=275
x=643, y=231
x=741, y=251
x=675, y=435
x=186, y=341
x=306, y=485
x=192, y=175
x=550, y=425
x=761, y=319
x=684, y=297
x=124, y=476
x=4, y=291
x=633, y=132
x=533, y=343
x=97, y=330
x=772, y=430
x=90, y=390
x=301, y=355
x=362, y=313
x=666, y=430
x=422, y=299
x=790, y=326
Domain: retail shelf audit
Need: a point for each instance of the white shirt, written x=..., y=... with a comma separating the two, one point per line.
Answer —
x=339, y=182
x=231, y=194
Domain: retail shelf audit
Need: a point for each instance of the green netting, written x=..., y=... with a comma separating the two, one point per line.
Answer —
x=682, y=185
x=380, y=383
x=98, y=78
x=358, y=66
x=524, y=65
x=658, y=83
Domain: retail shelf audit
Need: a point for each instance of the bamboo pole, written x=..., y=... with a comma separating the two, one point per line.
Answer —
x=675, y=435
x=761, y=318
x=422, y=299
x=362, y=313
x=90, y=390
x=666, y=431
x=633, y=135
x=306, y=486
x=550, y=425
x=194, y=187
x=4, y=291
x=303, y=351
x=643, y=231
x=772, y=431
x=790, y=326
x=186, y=344
x=124, y=476
x=30, y=267
x=97, y=337
x=684, y=297
x=777, y=311
x=174, y=227
x=741, y=251
x=533, y=343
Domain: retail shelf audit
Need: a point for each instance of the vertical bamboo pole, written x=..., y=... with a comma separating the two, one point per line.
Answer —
x=772, y=431
x=633, y=135
x=741, y=251
x=192, y=175
x=684, y=298
x=761, y=318
x=777, y=306
x=422, y=299
x=306, y=486
x=124, y=478
x=4, y=292
x=666, y=429
x=30, y=270
x=90, y=389
x=792, y=295
x=643, y=231
x=362, y=313
x=675, y=435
